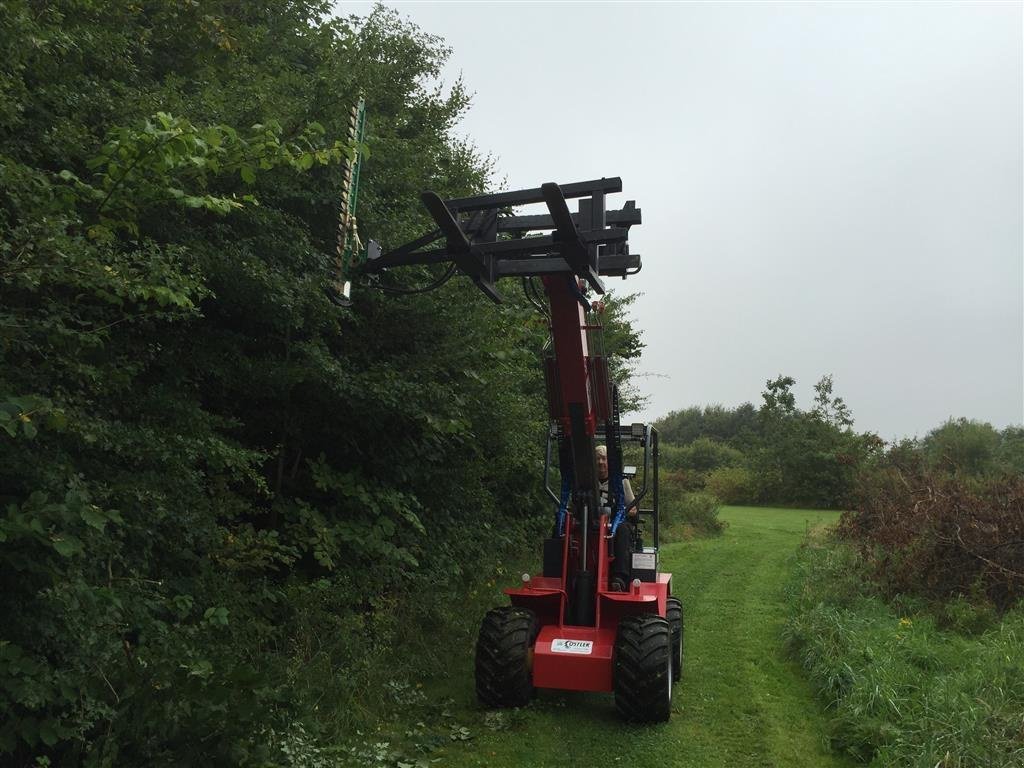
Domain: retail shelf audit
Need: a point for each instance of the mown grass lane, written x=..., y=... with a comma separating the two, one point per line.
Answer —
x=740, y=701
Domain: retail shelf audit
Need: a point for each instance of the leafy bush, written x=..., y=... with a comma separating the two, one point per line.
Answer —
x=974, y=448
x=701, y=511
x=705, y=454
x=683, y=511
x=735, y=426
x=679, y=478
x=792, y=457
x=687, y=466
x=904, y=692
x=733, y=485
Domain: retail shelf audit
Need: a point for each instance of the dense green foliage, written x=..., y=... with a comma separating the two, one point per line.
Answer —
x=687, y=513
x=216, y=486
x=717, y=422
x=908, y=684
x=781, y=454
x=777, y=454
x=970, y=449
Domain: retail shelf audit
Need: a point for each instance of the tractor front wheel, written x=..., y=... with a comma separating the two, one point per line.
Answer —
x=674, y=614
x=643, y=669
x=504, y=657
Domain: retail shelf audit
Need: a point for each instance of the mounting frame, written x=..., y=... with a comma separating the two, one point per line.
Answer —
x=486, y=245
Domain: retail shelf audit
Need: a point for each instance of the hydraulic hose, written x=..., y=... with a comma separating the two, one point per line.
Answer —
x=563, y=505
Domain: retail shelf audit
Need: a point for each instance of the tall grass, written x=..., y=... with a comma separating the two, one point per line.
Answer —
x=908, y=683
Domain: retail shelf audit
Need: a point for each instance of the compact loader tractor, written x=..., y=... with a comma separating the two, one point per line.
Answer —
x=569, y=627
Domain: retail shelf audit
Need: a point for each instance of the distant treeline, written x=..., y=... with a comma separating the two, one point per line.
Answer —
x=774, y=454
x=780, y=454
x=939, y=516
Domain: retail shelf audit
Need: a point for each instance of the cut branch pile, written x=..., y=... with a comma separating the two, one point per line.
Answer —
x=939, y=536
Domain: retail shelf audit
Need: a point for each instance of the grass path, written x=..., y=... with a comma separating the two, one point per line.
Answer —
x=739, y=703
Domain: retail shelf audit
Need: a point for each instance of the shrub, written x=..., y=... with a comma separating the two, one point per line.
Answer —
x=188, y=507
x=701, y=511
x=716, y=421
x=705, y=454
x=963, y=445
x=702, y=455
x=733, y=485
x=687, y=466
x=682, y=511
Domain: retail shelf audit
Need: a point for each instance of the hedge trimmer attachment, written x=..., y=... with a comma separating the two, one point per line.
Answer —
x=350, y=251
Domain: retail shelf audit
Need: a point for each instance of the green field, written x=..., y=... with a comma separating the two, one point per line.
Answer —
x=740, y=702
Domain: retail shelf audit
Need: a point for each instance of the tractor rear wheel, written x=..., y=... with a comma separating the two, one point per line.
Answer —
x=504, y=657
x=643, y=669
x=674, y=614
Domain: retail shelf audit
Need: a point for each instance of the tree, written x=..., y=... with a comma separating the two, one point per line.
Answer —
x=736, y=426
x=206, y=468
x=963, y=446
x=807, y=458
x=779, y=400
x=1011, y=450
x=830, y=410
x=623, y=347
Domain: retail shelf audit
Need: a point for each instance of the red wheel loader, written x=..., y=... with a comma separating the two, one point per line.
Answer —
x=572, y=626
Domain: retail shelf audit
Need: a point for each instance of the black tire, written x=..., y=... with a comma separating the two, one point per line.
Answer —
x=643, y=669
x=674, y=614
x=504, y=657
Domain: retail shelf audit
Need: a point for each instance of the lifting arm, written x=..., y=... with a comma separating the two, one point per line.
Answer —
x=482, y=242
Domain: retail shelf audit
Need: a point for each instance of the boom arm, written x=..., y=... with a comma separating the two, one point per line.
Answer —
x=571, y=251
x=581, y=247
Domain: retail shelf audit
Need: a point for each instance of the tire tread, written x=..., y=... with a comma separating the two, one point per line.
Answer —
x=503, y=675
x=674, y=614
x=642, y=652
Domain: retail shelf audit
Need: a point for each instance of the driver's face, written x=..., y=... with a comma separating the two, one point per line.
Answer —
x=602, y=466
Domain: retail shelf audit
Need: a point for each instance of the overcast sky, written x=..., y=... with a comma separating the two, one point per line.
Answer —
x=826, y=187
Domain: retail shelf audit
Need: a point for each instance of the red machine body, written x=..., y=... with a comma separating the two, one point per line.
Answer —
x=566, y=655
x=583, y=660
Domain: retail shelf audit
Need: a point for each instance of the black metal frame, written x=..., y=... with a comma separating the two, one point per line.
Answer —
x=649, y=440
x=486, y=245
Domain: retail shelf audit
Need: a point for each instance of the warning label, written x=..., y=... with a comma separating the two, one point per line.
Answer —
x=644, y=560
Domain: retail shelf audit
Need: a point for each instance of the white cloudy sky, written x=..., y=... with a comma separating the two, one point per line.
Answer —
x=826, y=187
